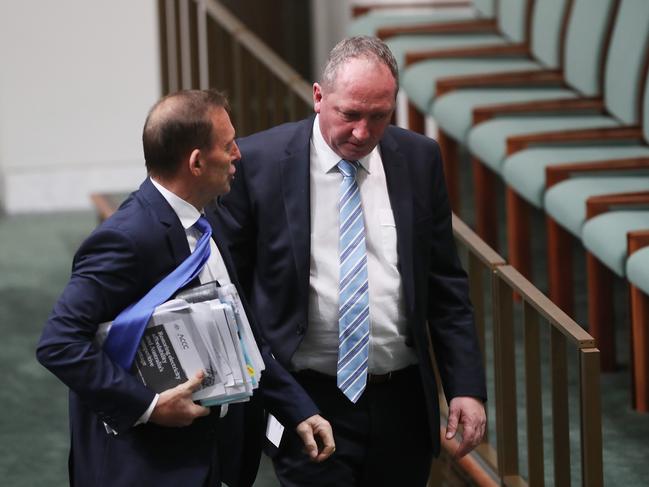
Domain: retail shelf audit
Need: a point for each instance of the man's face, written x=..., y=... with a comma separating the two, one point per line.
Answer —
x=219, y=159
x=355, y=111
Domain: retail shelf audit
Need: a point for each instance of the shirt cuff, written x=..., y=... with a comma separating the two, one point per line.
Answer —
x=147, y=414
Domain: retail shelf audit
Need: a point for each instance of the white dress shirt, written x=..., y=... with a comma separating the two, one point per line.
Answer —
x=388, y=327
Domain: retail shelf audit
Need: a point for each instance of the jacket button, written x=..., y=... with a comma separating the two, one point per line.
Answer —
x=300, y=329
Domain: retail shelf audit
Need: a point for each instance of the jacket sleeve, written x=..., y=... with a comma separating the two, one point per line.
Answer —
x=106, y=277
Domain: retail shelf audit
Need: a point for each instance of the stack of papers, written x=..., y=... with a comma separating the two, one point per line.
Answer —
x=183, y=337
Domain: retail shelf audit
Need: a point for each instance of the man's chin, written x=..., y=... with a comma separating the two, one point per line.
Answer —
x=355, y=154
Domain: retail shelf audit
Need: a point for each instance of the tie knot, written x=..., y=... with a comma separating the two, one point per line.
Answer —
x=348, y=168
x=203, y=225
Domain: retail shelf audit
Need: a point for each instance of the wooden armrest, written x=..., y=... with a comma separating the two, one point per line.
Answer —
x=596, y=205
x=517, y=143
x=486, y=112
x=476, y=26
x=636, y=240
x=358, y=10
x=560, y=172
x=504, y=79
x=494, y=50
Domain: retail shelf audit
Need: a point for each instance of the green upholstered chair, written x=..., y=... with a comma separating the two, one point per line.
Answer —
x=371, y=21
x=493, y=141
x=609, y=218
x=531, y=169
x=569, y=205
x=517, y=21
x=588, y=26
x=637, y=270
x=535, y=51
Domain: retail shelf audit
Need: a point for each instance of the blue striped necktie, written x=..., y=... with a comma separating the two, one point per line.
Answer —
x=354, y=306
x=126, y=332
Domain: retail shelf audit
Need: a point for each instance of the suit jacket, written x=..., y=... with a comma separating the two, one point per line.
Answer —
x=116, y=265
x=267, y=218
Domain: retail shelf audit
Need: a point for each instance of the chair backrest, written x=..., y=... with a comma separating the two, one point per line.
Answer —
x=588, y=29
x=625, y=61
x=485, y=8
x=548, y=18
x=512, y=18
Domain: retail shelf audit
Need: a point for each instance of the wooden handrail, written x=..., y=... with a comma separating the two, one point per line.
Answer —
x=507, y=281
x=275, y=64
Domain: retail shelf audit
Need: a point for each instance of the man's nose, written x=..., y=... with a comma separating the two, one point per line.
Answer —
x=361, y=131
x=236, y=154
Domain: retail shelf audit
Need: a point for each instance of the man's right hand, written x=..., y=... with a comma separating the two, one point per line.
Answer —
x=175, y=407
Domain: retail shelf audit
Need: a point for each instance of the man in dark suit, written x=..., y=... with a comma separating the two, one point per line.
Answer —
x=123, y=433
x=282, y=220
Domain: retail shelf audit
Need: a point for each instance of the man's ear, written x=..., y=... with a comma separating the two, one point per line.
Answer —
x=317, y=97
x=195, y=165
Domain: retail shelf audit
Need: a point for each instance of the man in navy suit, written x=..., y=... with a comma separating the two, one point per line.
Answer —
x=123, y=433
x=282, y=222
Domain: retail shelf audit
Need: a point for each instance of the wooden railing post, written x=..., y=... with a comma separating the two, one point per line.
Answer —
x=533, y=397
x=560, y=416
x=505, y=379
x=591, y=419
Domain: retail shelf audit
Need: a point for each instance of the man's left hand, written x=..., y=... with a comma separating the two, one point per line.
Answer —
x=470, y=413
x=316, y=434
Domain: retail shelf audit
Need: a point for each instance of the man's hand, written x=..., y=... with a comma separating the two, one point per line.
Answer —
x=314, y=432
x=175, y=407
x=470, y=413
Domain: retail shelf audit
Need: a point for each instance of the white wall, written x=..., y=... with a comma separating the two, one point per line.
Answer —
x=76, y=81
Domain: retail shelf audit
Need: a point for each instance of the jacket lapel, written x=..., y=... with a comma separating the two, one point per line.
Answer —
x=296, y=194
x=175, y=233
x=398, y=181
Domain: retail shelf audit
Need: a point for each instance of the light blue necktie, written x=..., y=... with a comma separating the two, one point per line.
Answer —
x=127, y=330
x=354, y=302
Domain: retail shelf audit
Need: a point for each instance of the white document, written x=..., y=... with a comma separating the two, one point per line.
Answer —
x=274, y=430
x=213, y=335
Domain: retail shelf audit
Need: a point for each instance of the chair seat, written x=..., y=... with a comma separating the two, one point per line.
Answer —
x=524, y=171
x=605, y=236
x=487, y=141
x=369, y=23
x=418, y=80
x=454, y=112
x=400, y=45
x=637, y=269
x=565, y=202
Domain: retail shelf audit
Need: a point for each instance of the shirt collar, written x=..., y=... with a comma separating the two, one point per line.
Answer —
x=187, y=213
x=326, y=157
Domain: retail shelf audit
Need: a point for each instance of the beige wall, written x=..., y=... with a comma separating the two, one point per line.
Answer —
x=77, y=79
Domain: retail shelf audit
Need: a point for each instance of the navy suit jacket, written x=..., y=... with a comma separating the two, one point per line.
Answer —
x=116, y=265
x=267, y=218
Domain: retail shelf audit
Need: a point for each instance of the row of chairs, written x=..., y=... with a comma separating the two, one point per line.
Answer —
x=551, y=97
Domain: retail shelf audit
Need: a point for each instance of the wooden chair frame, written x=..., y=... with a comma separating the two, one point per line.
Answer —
x=358, y=10
x=639, y=303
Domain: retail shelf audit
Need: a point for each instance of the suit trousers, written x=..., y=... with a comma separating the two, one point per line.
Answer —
x=382, y=440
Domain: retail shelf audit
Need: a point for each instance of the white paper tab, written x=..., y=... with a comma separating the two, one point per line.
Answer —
x=274, y=430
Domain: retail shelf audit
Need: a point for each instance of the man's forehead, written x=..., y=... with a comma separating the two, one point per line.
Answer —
x=363, y=75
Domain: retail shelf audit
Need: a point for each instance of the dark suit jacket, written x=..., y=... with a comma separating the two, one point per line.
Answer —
x=267, y=219
x=118, y=263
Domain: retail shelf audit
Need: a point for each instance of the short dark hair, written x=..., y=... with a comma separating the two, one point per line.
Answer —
x=368, y=47
x=177, y=124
